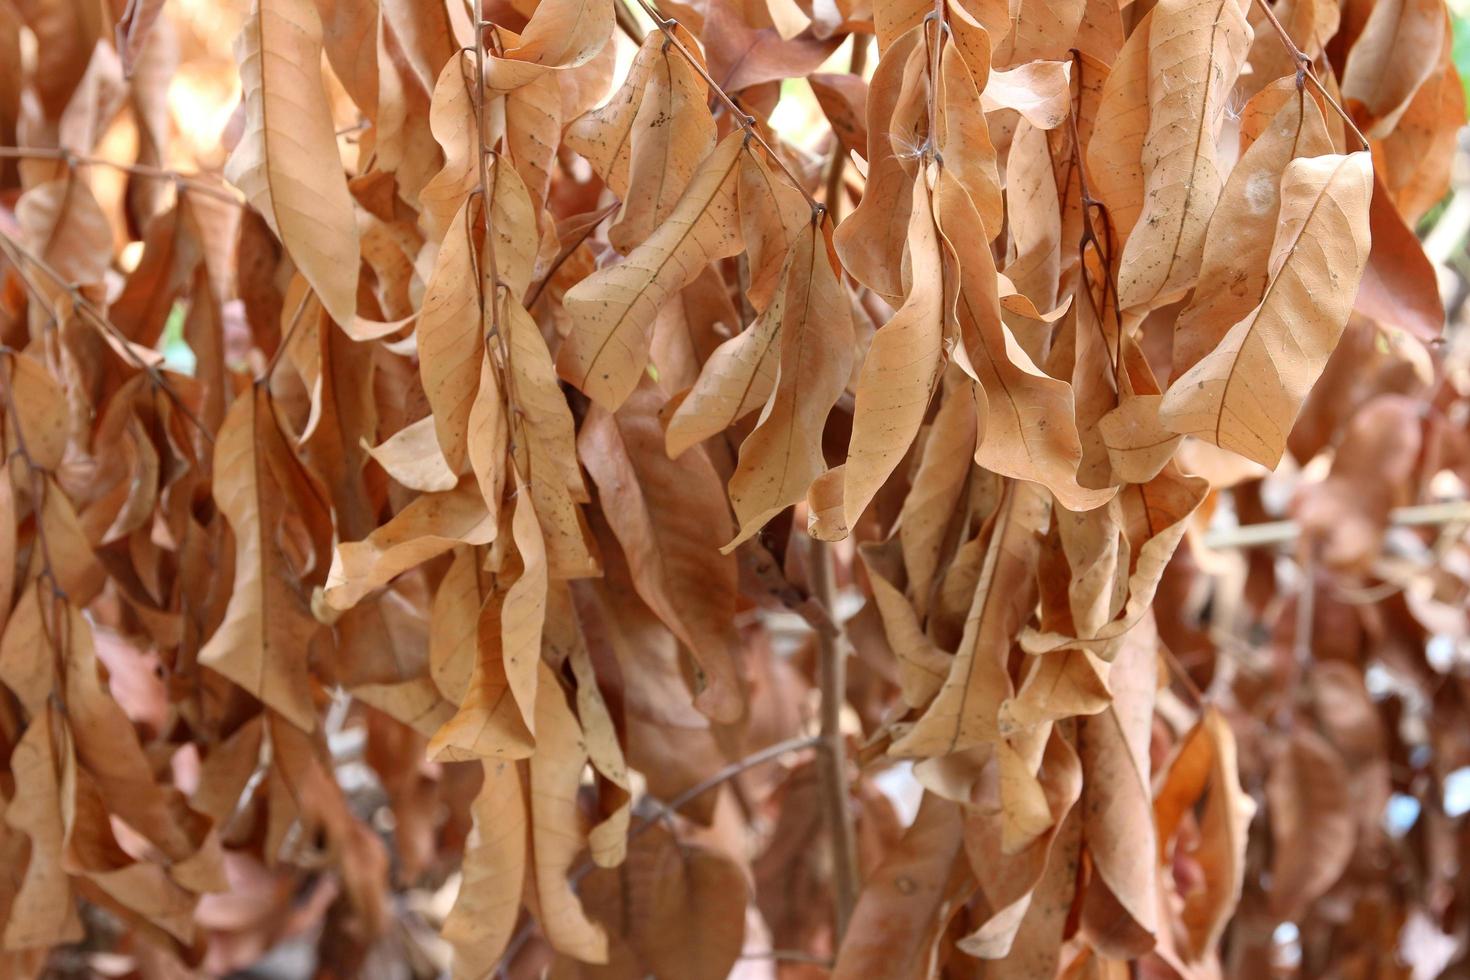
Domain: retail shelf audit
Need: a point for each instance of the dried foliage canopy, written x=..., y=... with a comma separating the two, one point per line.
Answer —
x=721, y=487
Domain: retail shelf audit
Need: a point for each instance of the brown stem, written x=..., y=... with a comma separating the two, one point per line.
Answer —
x=37, y=475
x=15, y=251
x=835, y=795
x=935, y=52
x=789, y=956
x=1306, y=603
x=483, y=155
x=73, y=160
x=1102, y=246
x=837, y=166
x=1449, y=512
x=747, y=121
x=664, y=810
x=719, y=777
x=1304, y=65
x=275, y=357
x=487, y=197
x=1196, y=696
x=628, y=23
x=568, y=250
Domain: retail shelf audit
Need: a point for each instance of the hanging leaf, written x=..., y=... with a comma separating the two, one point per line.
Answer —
x=1245, y=393
x=287, y=163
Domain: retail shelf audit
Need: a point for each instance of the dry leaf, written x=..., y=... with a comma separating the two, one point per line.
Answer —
x=1245, y=394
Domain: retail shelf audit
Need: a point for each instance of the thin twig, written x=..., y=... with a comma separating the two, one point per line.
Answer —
x=37, y=475
x=935, y=53
x=1306, y=609
x=275, y=357
x=835, y=796
x=1282, y=532
x=486, y=191
x=1101, y=246
x=837, y=166
x=15, y=251
x=662, y=812
x=747, y=121
x=628, y=23
x=719, y=777
x=1196, y=696
x=568, y=249
x=73, y=160
x=487, y=200
x=788, y=956
x=1304, y=66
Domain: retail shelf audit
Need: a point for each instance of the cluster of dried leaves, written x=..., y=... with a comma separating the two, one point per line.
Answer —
x=464, y=595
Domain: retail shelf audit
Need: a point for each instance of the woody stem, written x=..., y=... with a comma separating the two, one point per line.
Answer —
x=747, y=121
x=1304, y=65
x=833, y=773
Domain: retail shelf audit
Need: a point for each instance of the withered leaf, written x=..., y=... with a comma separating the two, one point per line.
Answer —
x=1245, y=394
x=286, y=162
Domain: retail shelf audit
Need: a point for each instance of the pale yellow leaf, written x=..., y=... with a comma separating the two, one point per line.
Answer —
x=413, y=458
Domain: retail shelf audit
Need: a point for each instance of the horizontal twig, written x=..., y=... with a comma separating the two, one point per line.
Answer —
x=789, y=956
x=663, y=810
x=1282, y=532
x=74, y=160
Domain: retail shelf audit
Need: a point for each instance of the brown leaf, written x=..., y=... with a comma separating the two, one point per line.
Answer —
x=844, y=100
x=965, y=712
x=671, y=519
x=669, y=137
x=1377, y=78
x=871, y=241
x=1312, y=825
x=783, y=455
x=1245, y=394
x=564, y=33
x=1115, y=153
x=613, y=309
x=1196, y=51
x=496, y=717
x=484, y=914
x=1120, y=910
x=286, y=162
x=1345, y=517
x=901, y=369
x=902, y=910
x=604, y=135
x=556, y=834
x=1235, y=268
x=742, y=57
x=687, y=905
x=1399, y=286
x=1026, y=419
x=273, y=507
x=65, y=226
x=1203, y=773
x=44, y=912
